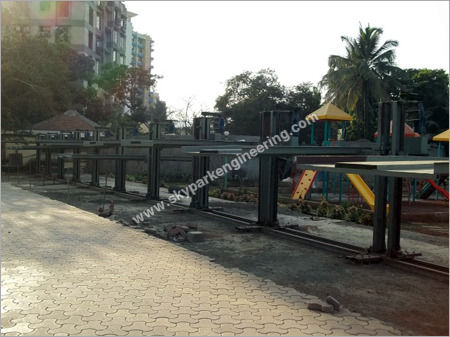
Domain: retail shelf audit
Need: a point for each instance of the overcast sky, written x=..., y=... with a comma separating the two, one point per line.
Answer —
x=199, y=45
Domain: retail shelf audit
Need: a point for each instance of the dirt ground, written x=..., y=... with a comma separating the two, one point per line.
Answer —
x=415, y=303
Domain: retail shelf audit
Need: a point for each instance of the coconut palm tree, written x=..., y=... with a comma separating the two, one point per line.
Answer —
x=363, y=76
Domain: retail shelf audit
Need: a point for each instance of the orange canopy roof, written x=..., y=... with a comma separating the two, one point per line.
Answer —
x=409, y=132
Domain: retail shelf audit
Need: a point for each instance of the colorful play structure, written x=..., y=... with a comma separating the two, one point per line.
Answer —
x=331, y=113
x=328, y=113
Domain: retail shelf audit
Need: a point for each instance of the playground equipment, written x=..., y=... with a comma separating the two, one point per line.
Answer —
x=330, y=113
x=430, y=186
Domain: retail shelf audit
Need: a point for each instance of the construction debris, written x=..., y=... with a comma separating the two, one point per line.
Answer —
x=365, y=258
x=334, y=302
x=317, y=306
x=106, y=213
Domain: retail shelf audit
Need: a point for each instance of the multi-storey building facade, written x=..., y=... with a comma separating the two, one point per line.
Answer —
x=100, y=29
x=141, y=56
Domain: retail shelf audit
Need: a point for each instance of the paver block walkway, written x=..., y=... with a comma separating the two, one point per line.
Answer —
x=69, y=272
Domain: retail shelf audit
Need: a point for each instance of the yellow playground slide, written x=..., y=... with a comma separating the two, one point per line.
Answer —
x=362, y=188
x=307, y=178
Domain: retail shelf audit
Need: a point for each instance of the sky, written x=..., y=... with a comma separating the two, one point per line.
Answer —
x=201, y=44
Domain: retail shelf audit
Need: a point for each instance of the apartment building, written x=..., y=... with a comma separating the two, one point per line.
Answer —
x=141, y=56
x=100, y=29
x=95, y=28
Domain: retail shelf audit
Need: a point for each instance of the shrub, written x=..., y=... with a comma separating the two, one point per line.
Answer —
x=353, y=214
x=305, y=208
x=322, y=210
x=338, y=212
x=366, y=219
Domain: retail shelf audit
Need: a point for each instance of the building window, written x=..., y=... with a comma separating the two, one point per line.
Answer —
x=91, y=16
x=44, y=31
x=62, y=9
x=98, y=24
x=91, y=40
x=44, y=6
x=62, y=34
x=114, y=56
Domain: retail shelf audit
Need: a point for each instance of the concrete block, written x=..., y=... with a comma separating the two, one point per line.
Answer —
x=195, y=236
x=315, y=306
x=328, y=308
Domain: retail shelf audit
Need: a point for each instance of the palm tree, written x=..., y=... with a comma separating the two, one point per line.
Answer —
x=363, y=76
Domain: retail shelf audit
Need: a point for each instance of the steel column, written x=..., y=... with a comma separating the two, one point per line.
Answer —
x=395, y=210
x=200, y=165
x=76, y=162
x=153, y=168
x=268, y=173
x=60, y=165
x=48, y=162
x=379, y=216
x=120, y=174
x=95, y=180
x=395, y=205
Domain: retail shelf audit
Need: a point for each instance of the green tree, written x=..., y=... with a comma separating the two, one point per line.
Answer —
x=156, y=112
x=361, y=78
x=429, y=86
x=246, y=95
x=125, y=86
x=35, y=81
x=303, y=99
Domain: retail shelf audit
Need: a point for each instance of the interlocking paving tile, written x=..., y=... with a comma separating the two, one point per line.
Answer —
x=69, y=272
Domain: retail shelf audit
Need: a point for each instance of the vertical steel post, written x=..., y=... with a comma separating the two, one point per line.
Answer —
x=120, y=174
x=154, y=160
x=60, y=161
x=48, y=162
x=379, y=216
x=395, y=206
x=268, y=173
x=76, y=162
x=200, y=165
x=95, y=181
x=60, y=165
x=38, y=159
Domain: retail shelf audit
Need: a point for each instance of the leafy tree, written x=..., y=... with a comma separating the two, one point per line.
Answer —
x=157, y=112
x=431, y=88
x=246, y=95
x=124, y=86
x=361, y=78
x=35, y=82
x=303, y=99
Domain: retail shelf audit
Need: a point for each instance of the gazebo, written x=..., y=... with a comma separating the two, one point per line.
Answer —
x=442, y=137
x=329, y=112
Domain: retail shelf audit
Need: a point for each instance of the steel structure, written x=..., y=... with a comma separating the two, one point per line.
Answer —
x=384, y=162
